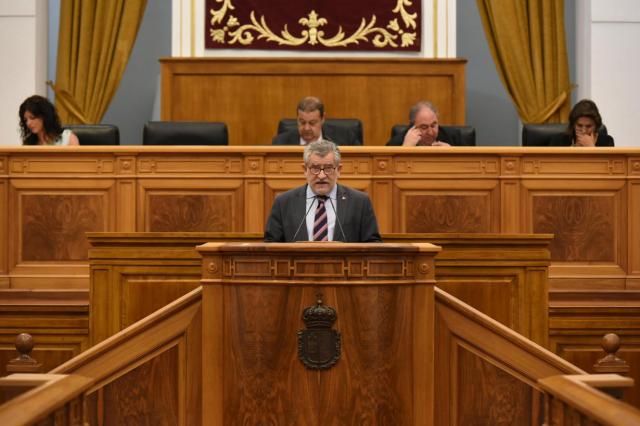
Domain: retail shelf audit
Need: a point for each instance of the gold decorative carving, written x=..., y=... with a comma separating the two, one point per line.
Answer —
x=636, y=166
x=424, y=268
x=382, y=165
x=212, y=268
x=245, y=34
x=253, y=165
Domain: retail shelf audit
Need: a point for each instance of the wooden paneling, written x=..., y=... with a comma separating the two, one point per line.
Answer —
x=579, y=320
x=587, y=198
x=57, y=320
x=485, y=373
x=504, y=276
x=53, y=226
x=150, y=391
x=4, y=230
x=252, y=95
x=383, y=297
x=473, y=405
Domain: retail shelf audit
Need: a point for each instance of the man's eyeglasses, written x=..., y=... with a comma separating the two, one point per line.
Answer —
x=328, y=170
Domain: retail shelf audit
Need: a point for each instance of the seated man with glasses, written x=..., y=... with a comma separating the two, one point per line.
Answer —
x=424, y=129
x=322, y=210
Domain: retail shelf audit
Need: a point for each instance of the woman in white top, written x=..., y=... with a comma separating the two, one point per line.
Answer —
x=40, y=124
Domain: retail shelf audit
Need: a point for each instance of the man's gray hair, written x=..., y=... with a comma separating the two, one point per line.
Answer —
x=417, y=107
x=322, y=148
x=310, y=104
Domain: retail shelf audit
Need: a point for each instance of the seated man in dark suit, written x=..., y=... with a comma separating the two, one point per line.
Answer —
x=322, y=210
x=424, y=130
x=311, y=127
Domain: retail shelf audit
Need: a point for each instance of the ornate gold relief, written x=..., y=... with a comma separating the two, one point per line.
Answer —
x=227, y=29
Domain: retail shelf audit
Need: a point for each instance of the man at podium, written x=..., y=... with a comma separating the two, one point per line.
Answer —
x=322, y=210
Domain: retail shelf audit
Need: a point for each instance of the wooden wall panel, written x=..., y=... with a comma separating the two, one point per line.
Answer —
x=49, y=220
x=483, y=294
x=583, y=226
x=508, y=403
x=57, y=320
x=634, y=227
x=588, y=219
x=191, y=206
x=4, y=223
x=143, y=295
x=149, y=392
x=427, y=206
x=377, y=91
x=53, y=226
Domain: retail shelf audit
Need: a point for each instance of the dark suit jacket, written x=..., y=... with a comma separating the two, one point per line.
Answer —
x=337, y=135
x=566, y=139
x=355, y=213
x=443, y=136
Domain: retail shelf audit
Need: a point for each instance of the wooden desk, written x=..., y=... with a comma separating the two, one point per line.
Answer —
x=588, y=198
x=504, y=276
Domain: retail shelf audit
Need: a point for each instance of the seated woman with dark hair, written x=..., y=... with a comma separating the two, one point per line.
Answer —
x=584, y=129
x=40, y=124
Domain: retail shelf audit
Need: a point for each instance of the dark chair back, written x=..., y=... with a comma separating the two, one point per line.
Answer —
x=352, y=124
x=541, y=134
x=96, y=134
x=466, y=135
x=185, y=133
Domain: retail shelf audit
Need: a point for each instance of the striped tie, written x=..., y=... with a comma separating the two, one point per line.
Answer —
x=320, y=224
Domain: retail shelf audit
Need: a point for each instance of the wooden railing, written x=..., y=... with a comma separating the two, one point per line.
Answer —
x=575, y=400
x=148, y=373
x=485, y=373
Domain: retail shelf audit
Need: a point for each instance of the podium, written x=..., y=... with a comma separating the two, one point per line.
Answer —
x=254, y=337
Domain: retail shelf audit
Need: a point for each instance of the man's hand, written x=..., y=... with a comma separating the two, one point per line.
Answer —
x=439, y=143
x=412, y=137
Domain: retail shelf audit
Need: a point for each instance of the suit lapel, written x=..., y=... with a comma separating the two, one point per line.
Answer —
x=343, y=206
x=300, y=207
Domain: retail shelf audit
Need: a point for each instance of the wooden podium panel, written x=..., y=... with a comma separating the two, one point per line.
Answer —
x=252, y=95
x=253, y=299
x=504, y=276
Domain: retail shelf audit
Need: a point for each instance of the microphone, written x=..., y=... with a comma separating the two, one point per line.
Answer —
x=304, y=218
x=338, y=220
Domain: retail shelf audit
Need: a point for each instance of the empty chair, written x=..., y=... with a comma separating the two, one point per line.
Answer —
x=352, y=124
x=541, y=134
x=185, y=133
x=462, y=135
x=96, y=134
